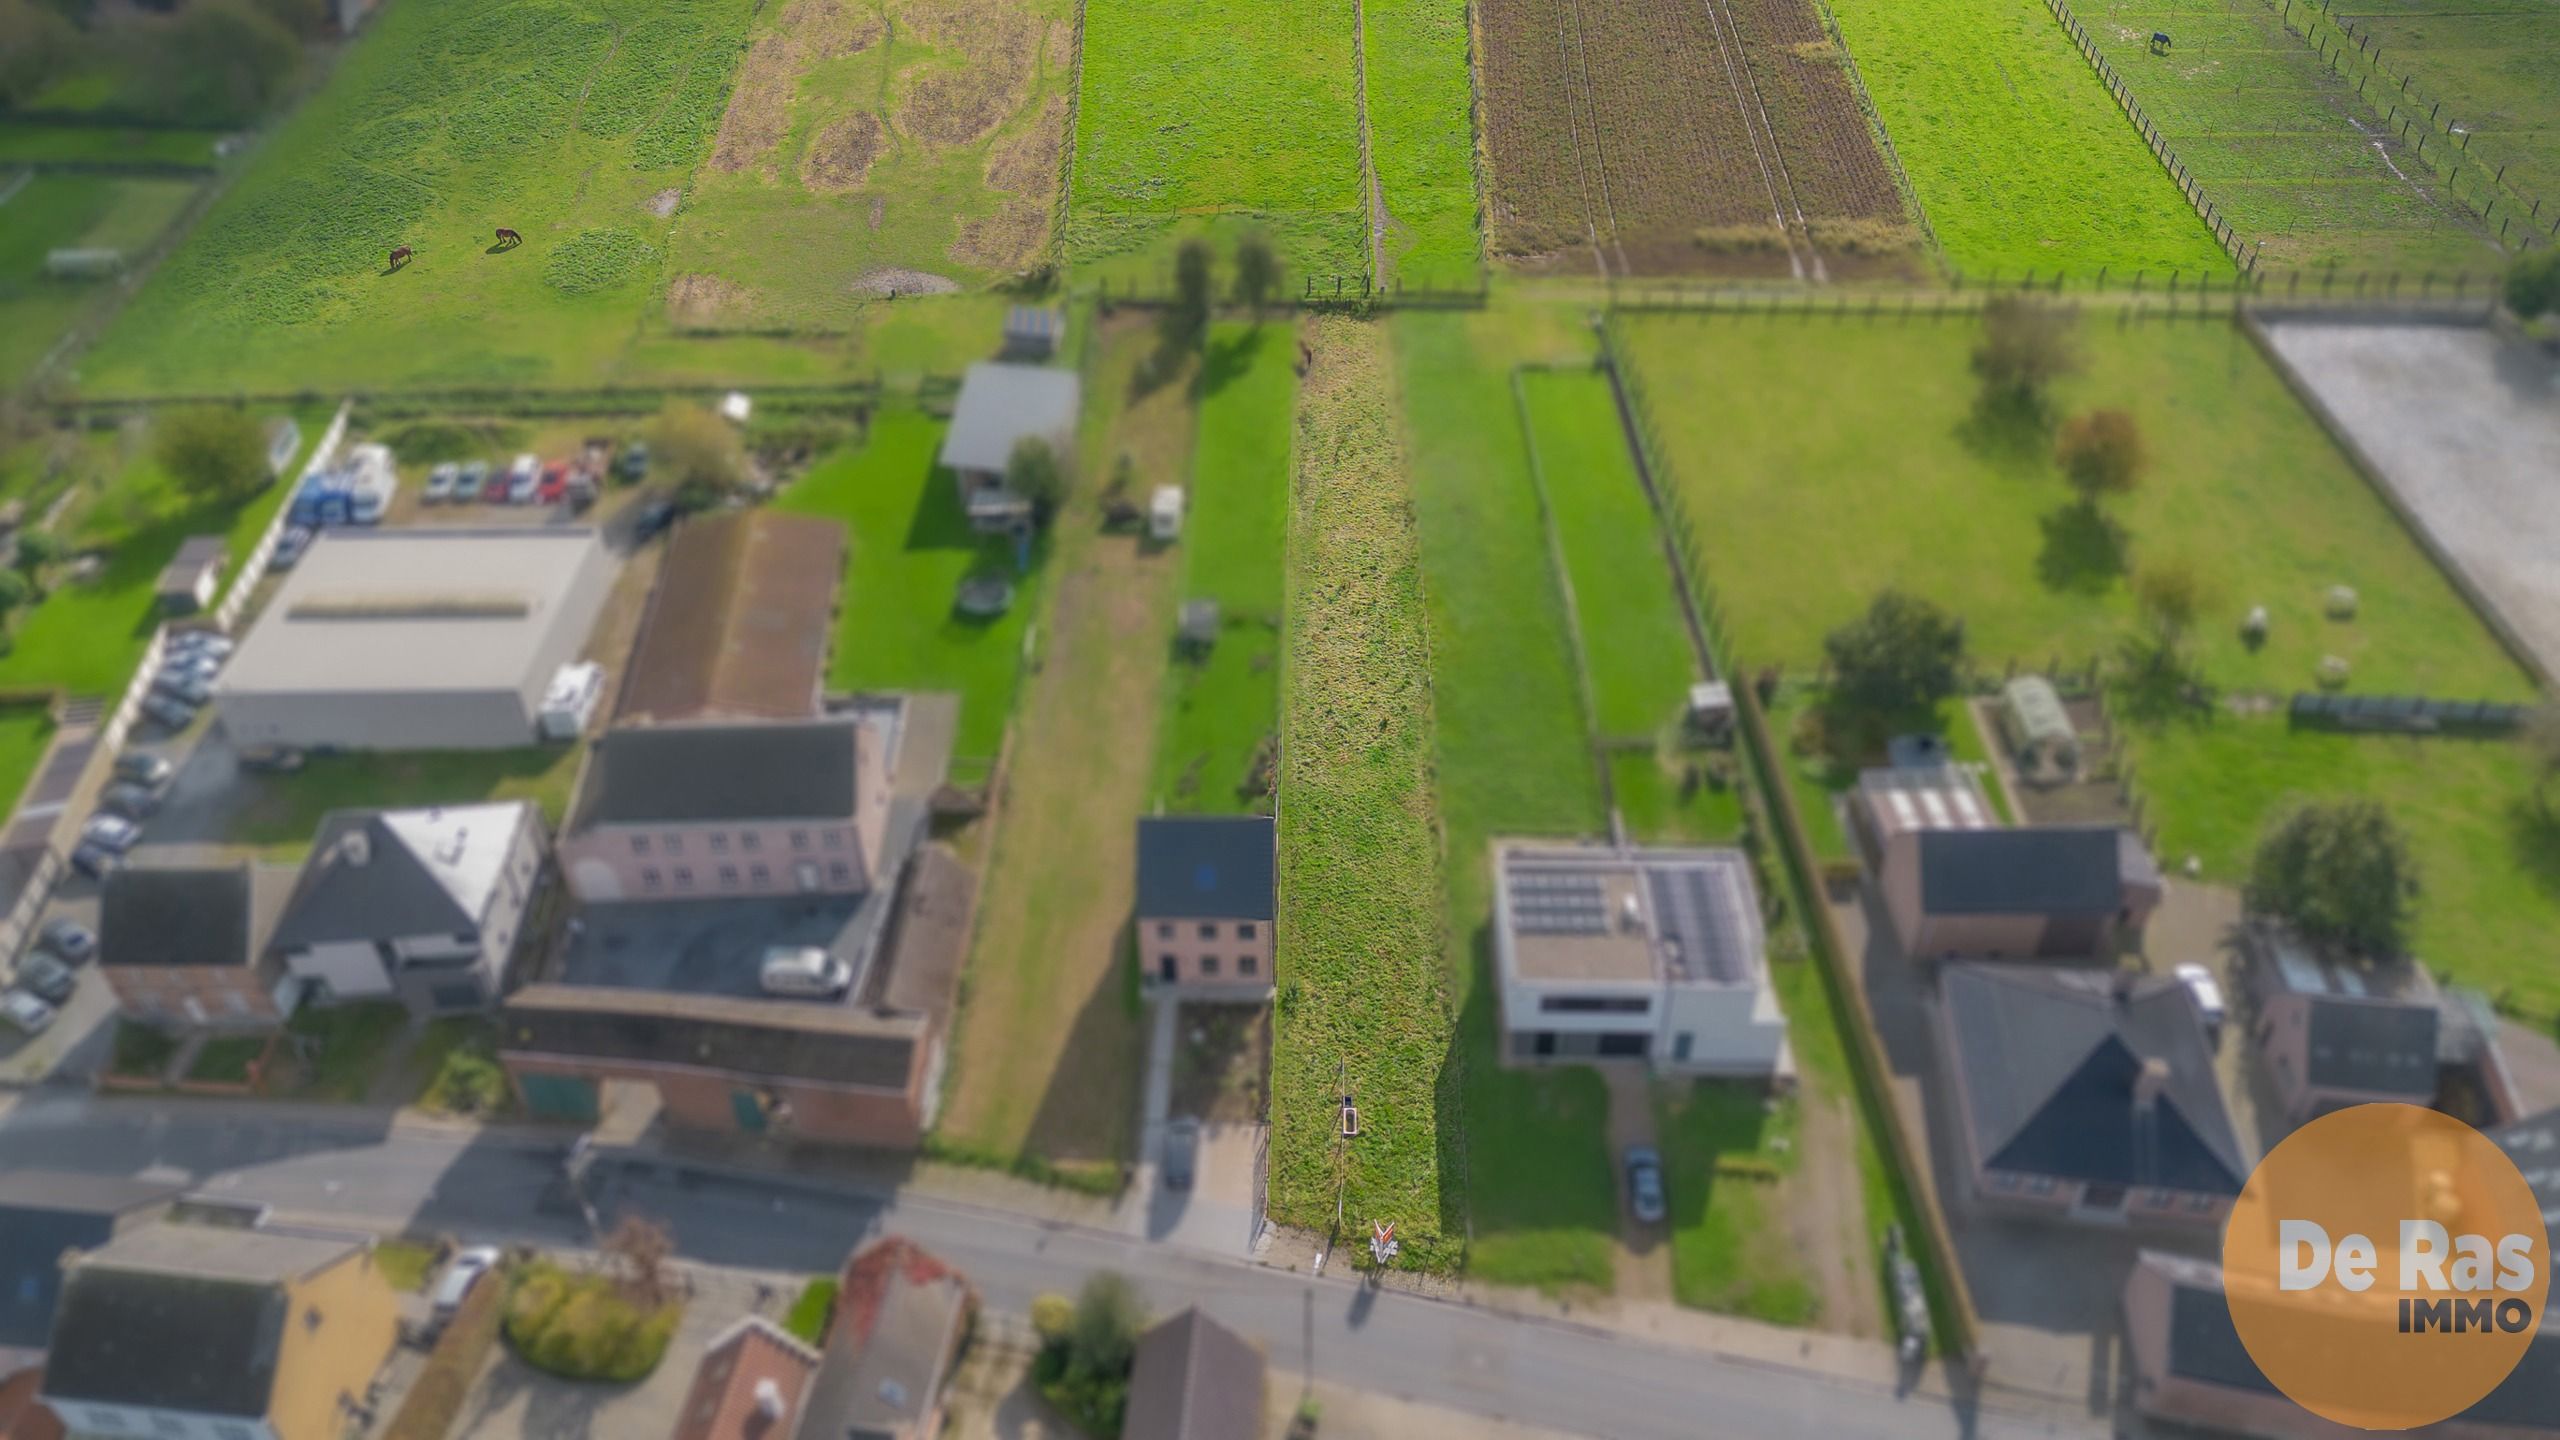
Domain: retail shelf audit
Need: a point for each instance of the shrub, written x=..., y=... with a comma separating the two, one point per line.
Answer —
x=2101, y=454
x=580, y=1327
x=213, y=452
x=2533, y=286
x=1053, y=1316
x=816, y=1305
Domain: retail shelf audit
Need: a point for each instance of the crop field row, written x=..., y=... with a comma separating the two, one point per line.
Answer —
x=2494, y=65
x=2282, y=143
x=2015, y=149
x=1672, y=137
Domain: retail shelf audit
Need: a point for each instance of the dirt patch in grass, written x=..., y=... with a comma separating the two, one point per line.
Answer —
x=839, y=159
x=1222, y=1063
x=759, y=112
x=889, y=282
x=664, y=203
x=1026, y=163
x=998, y=46
x=706, y=300
x=1005, y=240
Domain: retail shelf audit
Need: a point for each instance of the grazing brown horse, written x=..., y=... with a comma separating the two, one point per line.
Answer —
x=400, y=256
x=509, y=237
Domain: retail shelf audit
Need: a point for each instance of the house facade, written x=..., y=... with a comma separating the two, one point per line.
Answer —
x=184, y=947
x=1207, y=904
x=422, y=906
x=692, y=812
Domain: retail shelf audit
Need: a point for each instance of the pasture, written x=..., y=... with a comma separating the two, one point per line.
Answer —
x=1422, y=141
x=35, y=142
x=1658, y=138
x=2282, y=144
x=57, y=211
x=1217, y=116
x=874, y=151
x=2016, y=151
x=2494, y=66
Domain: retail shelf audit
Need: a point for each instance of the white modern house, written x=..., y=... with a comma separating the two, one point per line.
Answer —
x=422, y=906
x=1630, y=954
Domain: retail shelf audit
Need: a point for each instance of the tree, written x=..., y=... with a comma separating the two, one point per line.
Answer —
x=36, y=45
x=15, y=590
x=2533, y=285
x=2171, y=595
x=639, y=1247
x=2024, y=348
x=1257, y=272
x=699, y=452
x=1109, y=1315
x=215, y=453
x=1898, y=661
x=2101, y=454
x=217, y=62
x=37, y=549
x=1038, y=473
x=1083, y=1369
x=2339, y=874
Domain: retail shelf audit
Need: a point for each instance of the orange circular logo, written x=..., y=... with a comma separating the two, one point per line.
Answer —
x=2386, y=1266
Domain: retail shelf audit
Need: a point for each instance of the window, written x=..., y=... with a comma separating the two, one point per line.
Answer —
x=1208, y=930
x=1164, y=930
x=639, y=844
x=728, y=877
x=2158, y=1199
x=2199, y=1204
x=720, y=842
x=675, y=844
x=832, y=839
x=1244, y=930
x=839, y=872
x=99, y=1418
x=1208, y=964
x=2039, y=1184
x=684, y=877
x=650, y=879
x=799, y=839
x=1246, y=964
x=2003, y=1181
x=751, y=842
x=1593, y=1004
x=228, y=1431
x=759, y=874
x=168, y=1424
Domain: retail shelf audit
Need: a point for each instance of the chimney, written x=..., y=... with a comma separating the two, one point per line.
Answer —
x=2148, y=1083
x=355, y=848
x=769, y=1401
x=1630, y=913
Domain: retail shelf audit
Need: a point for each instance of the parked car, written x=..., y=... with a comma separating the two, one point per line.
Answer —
x=555, y=483
x=803, y=970
x=133, y=802
x=289, y=548
x=652, y=517
x=174, y=714
x=582, y=490
x=47, y=979
x=472, y=482
x=2200, y=983
x=440, y=483
x=503, y=484
x=144, y=769
x=212, y=644
x=180, y=685
x=1644, y=1184
x=271, y=759
x=633, y=462
x=95, y=861
x=26, y=1012
x=460, y=1274
x=1181, y=1153
x=110, y=832
x=68, y=940
x=522, y=489
x=192, y=665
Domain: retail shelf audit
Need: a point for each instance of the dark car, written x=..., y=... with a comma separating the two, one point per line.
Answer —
x=1181, y=1153
x=1644, y=1184
x=633, y=462
x=49, y=979
x=651, y=518
x=143, y=769
x=271, y=759
x=175, y=714
x=133, y=802
x=289, y=548
x=68, y=939
x=96, y=861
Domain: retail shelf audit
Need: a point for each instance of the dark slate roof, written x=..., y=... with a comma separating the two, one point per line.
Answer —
x=175, y=915
x=392, y=893
x=2359, y=1045
x=831, y=1043
x=2529, y=1398
x=2048, y=1061
x=675, y=774
x=2048, y=870
x=43, y=1214
x=2204, y=1344
x=1194, y=1379
x=1207, y=867
x=167, y=1341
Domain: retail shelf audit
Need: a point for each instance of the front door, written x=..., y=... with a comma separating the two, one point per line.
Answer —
x=748, y=1107
x=1165, y=970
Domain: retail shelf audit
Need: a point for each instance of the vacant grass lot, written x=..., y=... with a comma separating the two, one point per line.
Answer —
x=1363, y=996
x=2019, y=155
x=25, y=141
x=60, y=212
x=1217, y=115
x=1222, y=707
x=912, y=546
x=280, y=813
x=1422, y=139
x=574, y=123
x=1730, y=1155
x=2283, y=144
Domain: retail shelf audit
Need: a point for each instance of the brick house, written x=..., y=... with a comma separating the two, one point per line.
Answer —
x=1207, y=902
x=184, y=947
x=750, y=1384
x=422, y=906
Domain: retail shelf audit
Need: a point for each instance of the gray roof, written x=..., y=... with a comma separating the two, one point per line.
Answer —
x=208, y=915
x=1206, y=867
x=2044, y=870
x=676, y=774
x=897, y=1321
x=194, y=556
x=2203, y=1343
x=1001, y=405
x=2384, y=1047
x=2048, y=1061
x=382, y=874
x=1195, y=1379
x=43, y=1215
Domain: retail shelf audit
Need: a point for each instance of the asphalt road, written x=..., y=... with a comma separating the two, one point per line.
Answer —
x=355, y=1168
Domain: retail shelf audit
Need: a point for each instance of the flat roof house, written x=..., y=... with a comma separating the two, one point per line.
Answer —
x=739, y=623
x=45, y=1215
x=201, y=1330
x=416, y=639
x=184, y=947
x=2087, y=1096
x=1195, y=1379
x=1958, y=884
x=689, y=812
x=1207, y=902
x=193, y=575
x=1608, y=953
x=1001, y=406
x=422, y=906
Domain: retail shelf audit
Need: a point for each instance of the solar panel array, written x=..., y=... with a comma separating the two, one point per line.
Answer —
x=1698, y=917
x=1550, y=902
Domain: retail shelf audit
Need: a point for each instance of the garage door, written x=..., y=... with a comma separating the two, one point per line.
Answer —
x=560, y=1097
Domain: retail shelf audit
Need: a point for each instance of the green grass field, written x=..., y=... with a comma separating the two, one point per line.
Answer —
x=911, y=548
x=1634, y=642
x=62, y=212
x=25, y=731
x=1220, y=707
x=2495, y=67
x=2019, y=155
x=280, y=813
x=23, y=141
x=1727, y=1151
x=854, y=150
x=2283, y=144
x=1217, y=116
x=1422, y=139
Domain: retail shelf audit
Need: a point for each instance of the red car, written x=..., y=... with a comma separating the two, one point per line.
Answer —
x=555, y=484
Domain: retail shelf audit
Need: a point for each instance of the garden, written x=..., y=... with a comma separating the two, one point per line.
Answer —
x=55, y=211
x=607, y=1325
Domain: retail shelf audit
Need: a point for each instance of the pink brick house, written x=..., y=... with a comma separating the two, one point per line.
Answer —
x=1206, y=904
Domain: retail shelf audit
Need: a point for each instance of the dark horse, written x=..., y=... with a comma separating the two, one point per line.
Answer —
x=509, y=237
x=399, y=257
x=2159, y=42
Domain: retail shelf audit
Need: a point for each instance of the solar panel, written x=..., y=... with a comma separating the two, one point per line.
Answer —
x=1697, y=915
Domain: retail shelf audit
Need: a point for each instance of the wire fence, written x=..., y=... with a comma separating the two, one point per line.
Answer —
x=2188, y=185
x=2177, y=293
x=1310, y=291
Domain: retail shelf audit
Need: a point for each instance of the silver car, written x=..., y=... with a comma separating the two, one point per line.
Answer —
x=26, y=1012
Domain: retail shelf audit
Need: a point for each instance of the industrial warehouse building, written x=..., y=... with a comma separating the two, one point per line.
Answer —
x=416, y=639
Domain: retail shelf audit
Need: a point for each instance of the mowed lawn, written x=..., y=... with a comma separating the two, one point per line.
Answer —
x=25, y=730
x=574, y=123
x=1422, y=139
x=1217, y=115
x=2020, y=157
x=911, y=548
x=1223, y=706
x=2282, y=142
x=57, y=211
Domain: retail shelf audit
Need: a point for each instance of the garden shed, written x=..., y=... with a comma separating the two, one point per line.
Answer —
x=2039, y=730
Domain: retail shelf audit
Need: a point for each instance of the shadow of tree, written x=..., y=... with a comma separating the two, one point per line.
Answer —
x=2007, y=429
x=2533, y=826
x=2083, y=552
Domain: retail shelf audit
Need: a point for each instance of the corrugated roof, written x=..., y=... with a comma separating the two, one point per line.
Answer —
x=1001, y=405
x=1206, y=867
x=740, y=621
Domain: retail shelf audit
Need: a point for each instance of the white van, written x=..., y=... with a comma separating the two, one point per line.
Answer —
x=805, y=971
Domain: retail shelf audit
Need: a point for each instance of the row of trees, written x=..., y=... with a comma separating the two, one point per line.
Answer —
x=212, y=63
